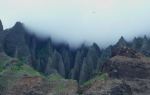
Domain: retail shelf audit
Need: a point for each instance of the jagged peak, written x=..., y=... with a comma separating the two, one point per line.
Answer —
x=145, y=41
x=95, y=46
x=145, y=37
x=122, y=42
x=82, y=46
x=135, y=38
x=18, y=25
x=125, y=51
x=1, y=26
x=122, y=39
x=145, y=44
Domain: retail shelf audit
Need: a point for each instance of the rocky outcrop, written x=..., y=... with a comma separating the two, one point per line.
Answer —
x=40, y=86
x=2, y=35
x=132, y=68
x=128, y=68
x=17, y=78
x=1, y=26
x=108, y=87
x=141, y=44
x=127, y=63
x=112, y=86
x=29, y=86
x=14, y=42
x=89, y=64
x=139, y=86
x=145, y=48
x=122, y=42
x=125, y=51
x=128, y=73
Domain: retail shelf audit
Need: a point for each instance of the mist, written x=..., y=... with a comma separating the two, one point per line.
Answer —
x=80, y=21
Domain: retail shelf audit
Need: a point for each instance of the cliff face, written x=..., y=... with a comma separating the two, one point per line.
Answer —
x=18, y=78
x=14, y=42
x=40, y=86
x=48, y=57
x=1, y=26
x=30, y=65
x=1, y=36
x=128, y=63
x=126, y=73
x=124, y=67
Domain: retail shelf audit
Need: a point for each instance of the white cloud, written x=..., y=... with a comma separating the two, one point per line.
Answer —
x=101, y=21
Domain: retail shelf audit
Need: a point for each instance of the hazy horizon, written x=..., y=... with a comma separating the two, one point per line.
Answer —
x=78, y=21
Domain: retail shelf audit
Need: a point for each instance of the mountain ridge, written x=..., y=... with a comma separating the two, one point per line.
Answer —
x=112, y=69
x=18, y=42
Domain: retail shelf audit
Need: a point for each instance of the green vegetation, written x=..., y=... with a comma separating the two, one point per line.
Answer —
x=59, y=84
x=19, y=69
x=57, y=80
x=54, y=77
x=3, y=60
x=12, y=69
x=101, y=77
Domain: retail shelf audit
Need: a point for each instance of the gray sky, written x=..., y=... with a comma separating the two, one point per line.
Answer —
x=78, y=21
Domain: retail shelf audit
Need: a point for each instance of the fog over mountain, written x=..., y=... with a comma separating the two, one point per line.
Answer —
x=78, y=21
x=108, y=51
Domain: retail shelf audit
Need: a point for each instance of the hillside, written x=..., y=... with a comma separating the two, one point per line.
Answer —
x=30, y=65
x=123, y=75
x=17, y=78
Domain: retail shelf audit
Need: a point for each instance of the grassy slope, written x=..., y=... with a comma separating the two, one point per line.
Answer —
x=101, y=77
x=12, y=70
x=61, y=85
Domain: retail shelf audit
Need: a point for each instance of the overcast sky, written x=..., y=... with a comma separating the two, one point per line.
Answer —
x=77, y=21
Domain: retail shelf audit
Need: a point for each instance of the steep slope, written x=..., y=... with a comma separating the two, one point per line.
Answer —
x=47, y=57
x=39, y=66
x=102, y=85
x=17, y=78
x=41, y=86
x=11, y=70
x=2, y=35
x=15, y=42
x=1, y=26
x=126, y=73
